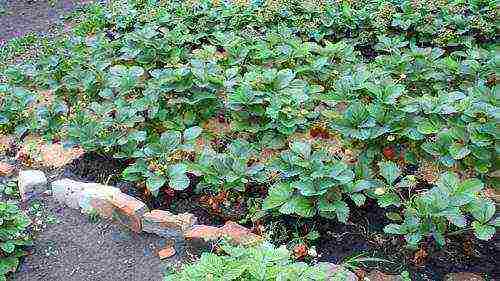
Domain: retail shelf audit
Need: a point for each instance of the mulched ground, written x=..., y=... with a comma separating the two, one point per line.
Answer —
x=20, y=17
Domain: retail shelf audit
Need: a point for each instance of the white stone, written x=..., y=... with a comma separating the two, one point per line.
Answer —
x=78, y=195
x=96, y=192
x=31, y=182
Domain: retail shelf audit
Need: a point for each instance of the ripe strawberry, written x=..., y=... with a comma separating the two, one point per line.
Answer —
x=300, y=251
x=389, y=152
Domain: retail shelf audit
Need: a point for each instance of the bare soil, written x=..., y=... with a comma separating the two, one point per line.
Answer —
x=21, y=17
x=75, y=248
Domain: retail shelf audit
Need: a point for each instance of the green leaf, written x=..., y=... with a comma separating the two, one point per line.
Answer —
x=278, y=195
x=483, y=231
x=179, y=182
x=482, y=210
x=389, y=199
x=427, y=127
x=8, y=246
x=177, y=177
x=298, y=205
x=177, y=170
x=361, y=185
x=394, y=216
x=458, y=151
x=389, y=171
x=341, y=210
x=285, y=76
x=470, y=186
x=358, y=199
x=455, y=217
x=393, y=229
x=307, y=187
x=448, y=182
x=192, y=133
x=302, y=148
x=154, y=183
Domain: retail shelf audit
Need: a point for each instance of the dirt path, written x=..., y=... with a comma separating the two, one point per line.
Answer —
x=20, y=17
x=73, y=248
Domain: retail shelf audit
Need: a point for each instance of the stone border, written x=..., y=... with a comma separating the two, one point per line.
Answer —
x=109, y=202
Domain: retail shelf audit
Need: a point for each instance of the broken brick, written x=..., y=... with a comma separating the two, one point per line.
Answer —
x=128, y=211
x=165, y=224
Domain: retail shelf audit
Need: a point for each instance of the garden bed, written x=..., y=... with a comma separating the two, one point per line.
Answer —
x=336, y=243
x=359, y=133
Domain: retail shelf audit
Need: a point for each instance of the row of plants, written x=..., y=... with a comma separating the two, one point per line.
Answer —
x=321, y=105
x=262, y=262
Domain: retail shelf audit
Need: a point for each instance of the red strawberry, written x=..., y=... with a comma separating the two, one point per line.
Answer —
x=389, y=152
x=300, y=251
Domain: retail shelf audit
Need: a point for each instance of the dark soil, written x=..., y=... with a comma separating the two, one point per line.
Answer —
x=93, y=167
x=76, y=249
x=363, y=235
x=23, y=16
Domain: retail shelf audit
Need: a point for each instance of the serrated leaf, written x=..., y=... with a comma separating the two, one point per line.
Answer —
x=427, y=127
x=470, y=186
x=458, y=151
x=301, y=148
x=358, y=199
x=361, y=185
x=482, y=231
x=483, y=210
x=393, y=216
x=448, y=182
x=341, y=210
x=192, y=133
x=389, y=171
x=278, y=195
x=389, y=199
x=285, y=76
x=455, y=217
x=8, y=246
x=393, y=229
x=154, y=183
x=298, y=205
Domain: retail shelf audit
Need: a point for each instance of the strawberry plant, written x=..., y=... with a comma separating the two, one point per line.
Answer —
x=263, y=262
x=231, y=170
x=314, y=103
x=162, y=161
x=312, y=181
x=13, y=237
x=436, y=211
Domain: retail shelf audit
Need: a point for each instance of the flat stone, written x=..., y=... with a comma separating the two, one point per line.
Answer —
x=128, y=211
x=67, y=192
x=336, y=272
x=6, y=169
x=376, y=275
x=239, y=234
x=166, y=224
x=205, y=232
x=463, y=276
x=31, y=182
x=97, y=198
x=236, y=233
x=166, y=252
x=88, y=197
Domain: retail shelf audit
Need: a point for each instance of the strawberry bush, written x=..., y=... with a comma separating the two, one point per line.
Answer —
x=324, y=104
